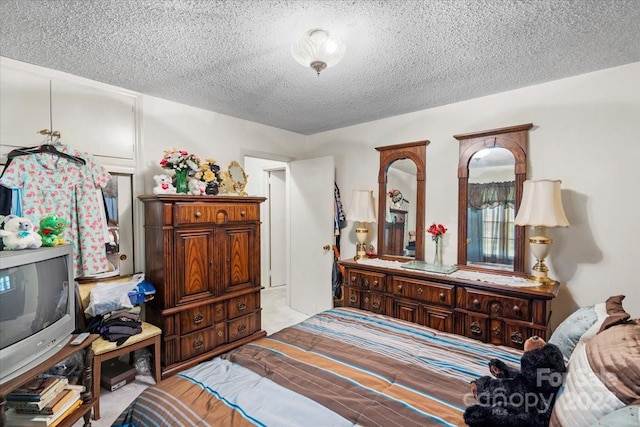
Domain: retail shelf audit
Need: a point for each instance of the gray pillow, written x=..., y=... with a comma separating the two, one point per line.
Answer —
x=568, y=333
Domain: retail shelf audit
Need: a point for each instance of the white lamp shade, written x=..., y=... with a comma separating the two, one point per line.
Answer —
x=542, y=205
x=361, y=208
x=318, y=45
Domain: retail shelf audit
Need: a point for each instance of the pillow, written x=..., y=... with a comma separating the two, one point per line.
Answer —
x=603, y=376
x=629, y=416
x=568, y=333
x=616, y=313
x=586, y=322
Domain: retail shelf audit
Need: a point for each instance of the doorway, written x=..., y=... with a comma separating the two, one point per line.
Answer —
x=268, y=178
x=277, y=227
x=301, y=192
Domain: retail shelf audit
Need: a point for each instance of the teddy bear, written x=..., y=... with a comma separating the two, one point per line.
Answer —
x=524, y=397
x=197, y=187
x=19, y=233
x=51, y=229
x=164, y=185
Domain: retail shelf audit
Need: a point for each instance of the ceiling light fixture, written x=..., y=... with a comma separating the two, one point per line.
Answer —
x=318, y=50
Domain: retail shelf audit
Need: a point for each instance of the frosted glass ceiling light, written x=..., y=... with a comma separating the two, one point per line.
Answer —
x=318, y=50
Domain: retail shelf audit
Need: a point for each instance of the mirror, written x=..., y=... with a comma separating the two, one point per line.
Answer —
x=234, y=179
x=401, y=193
x=491, y=170
x=400, y=211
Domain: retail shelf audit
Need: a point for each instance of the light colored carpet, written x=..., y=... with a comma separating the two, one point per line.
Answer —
x=275, y=316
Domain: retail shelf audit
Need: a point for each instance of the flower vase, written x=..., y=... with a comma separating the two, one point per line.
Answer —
x=437, y=259
x=181, y=181
x=211, y=189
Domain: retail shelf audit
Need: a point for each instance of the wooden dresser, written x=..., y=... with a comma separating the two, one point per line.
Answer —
x=202, y=253
x=497, y=313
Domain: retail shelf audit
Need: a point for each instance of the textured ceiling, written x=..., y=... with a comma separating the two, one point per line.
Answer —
x=233, y=56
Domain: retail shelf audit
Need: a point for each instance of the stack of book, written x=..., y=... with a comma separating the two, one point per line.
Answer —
x=43, y=401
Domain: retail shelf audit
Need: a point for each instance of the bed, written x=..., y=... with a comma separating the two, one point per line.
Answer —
x=342, y=367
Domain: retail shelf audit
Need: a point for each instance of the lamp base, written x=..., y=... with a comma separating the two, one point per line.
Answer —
x=361, y=247
x=541, y=280
x=361, y=252
x=540, y=247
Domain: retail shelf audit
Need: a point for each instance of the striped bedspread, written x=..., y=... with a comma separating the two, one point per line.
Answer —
x=342, y=367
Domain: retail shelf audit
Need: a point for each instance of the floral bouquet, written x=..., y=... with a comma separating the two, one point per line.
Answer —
x=208, y=172
x=396, y=196
x=179, y=160
x=436, y=231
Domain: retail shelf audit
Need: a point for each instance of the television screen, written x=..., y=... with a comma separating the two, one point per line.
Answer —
x=32, y=297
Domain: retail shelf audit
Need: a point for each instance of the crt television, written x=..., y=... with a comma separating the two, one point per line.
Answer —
x=37, y=307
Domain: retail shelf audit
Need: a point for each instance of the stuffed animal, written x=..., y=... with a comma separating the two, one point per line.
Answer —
x=519, y=398
x=19, y=233
x=51, y=229
x=163, y=185
x=197, y=187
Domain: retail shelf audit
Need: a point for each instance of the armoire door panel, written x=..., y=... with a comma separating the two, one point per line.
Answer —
x=194, y=265
x=237, y=244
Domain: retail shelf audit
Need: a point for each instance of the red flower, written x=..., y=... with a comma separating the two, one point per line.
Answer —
x=436, y=230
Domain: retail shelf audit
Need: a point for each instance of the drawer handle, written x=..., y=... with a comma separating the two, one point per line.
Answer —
x=442, y=296
x=475, y=328
x=476, y=303
x=376, y=304
x=197, y=214
x=399, y=288
x=420, y=291
x=496, y=331
x=516, y=309
x=198, y=318
x=353, y=298
x=220, y=334
x=242, y=328
x=243, y=213
x=353, y=279
x=375, y=283
x=198, y=344
x=517, y=338
x=242, y=306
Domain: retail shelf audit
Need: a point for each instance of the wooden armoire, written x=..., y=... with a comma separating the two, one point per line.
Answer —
x=202, y=253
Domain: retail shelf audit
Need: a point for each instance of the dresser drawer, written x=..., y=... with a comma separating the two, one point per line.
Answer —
x=435, y=293
x=198, y=342
x=497, y=305
x=203, y=213
x=242, y=305
x=366, y=280
x=196, y=318
x=242, y=326
x=373, y=301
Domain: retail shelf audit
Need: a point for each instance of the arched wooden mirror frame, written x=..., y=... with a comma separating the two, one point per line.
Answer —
x=514, y=139
x=417, y=152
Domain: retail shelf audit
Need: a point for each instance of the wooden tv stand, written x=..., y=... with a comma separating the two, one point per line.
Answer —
x=88, y=400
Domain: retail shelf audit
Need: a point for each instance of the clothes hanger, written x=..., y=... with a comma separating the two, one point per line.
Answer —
x=48, y=147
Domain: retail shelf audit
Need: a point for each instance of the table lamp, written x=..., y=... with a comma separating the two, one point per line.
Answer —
x=362, y=211
x=541, y=207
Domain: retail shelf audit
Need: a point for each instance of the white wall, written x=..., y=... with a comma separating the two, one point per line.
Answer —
x=586, y=133
x=167, y=124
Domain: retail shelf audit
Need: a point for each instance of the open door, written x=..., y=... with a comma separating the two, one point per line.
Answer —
x=311, y=234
